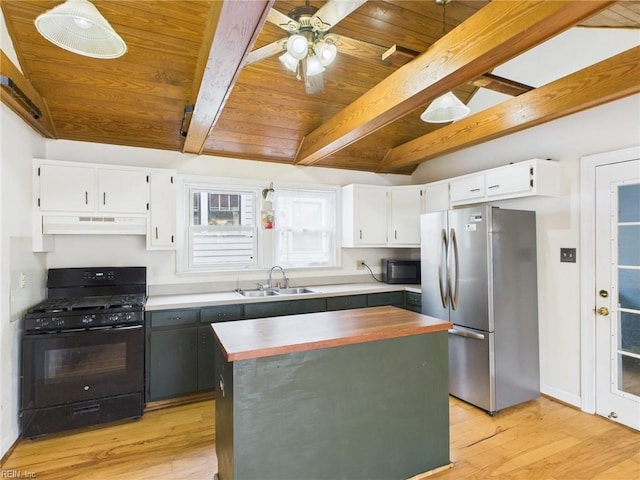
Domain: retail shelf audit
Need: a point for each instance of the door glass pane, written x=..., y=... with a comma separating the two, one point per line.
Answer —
x=629, y=377
x=629, y=245
x=630, y=332
x=629, y=288
x=629, y=203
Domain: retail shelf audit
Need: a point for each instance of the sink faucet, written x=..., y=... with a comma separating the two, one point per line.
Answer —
x=284, y=277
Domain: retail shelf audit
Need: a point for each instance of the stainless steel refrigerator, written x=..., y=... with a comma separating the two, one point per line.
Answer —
x=479, y=272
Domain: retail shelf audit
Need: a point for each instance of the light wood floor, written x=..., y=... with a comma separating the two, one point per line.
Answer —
x=540, y=440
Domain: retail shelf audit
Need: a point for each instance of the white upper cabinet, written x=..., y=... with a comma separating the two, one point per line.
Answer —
x=406, y=204
x=436, y=197
x=523, y=179
x=123, y=191
x=67, y=188
x=72, y=189
x=162, y=211
x=364, y=216
x=466, y=188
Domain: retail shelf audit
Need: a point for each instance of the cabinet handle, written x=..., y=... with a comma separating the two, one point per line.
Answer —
x=474, y=190
x=156, y=233
x=104, y=198
x=171, y=238
x=86, y=198
x=360, y=234
x=204, y=339
x=175, y=319
x=395, y=234
x=494, y=186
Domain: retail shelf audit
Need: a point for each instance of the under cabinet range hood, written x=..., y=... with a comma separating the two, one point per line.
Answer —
x=91, y=225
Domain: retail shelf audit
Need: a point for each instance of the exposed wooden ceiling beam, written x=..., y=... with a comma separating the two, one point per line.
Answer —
x=606, y=81
x=399, y=56
x=496, y=33
x=237, y=25
x=22, y=96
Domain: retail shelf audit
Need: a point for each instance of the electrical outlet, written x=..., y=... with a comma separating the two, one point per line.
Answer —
x=360, y=264
x=568, y=255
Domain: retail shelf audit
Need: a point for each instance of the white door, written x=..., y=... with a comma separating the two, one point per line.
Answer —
x=617, y=292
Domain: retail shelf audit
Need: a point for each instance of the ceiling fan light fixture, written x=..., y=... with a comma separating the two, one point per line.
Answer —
x=78, y=26
x=314, y=66
x=297, y=46
x=326, y=52
x=289, y=62
x=444, y=109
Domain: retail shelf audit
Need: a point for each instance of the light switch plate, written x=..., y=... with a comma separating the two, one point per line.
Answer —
x=568, y=255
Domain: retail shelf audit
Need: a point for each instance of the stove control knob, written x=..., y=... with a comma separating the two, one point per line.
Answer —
x=88, y=319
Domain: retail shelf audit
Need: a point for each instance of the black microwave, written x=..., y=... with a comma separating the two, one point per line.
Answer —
x=400, y=271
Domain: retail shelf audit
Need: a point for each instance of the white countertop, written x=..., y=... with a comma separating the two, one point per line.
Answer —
x=192, y=300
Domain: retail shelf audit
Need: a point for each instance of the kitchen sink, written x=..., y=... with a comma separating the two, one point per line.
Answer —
x=256, y=293
x=293, y=291
x=274, y=291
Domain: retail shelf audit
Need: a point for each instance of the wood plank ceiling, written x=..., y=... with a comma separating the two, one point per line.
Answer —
x=184, y=53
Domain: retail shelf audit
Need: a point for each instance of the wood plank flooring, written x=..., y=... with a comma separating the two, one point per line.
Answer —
x=540, y=440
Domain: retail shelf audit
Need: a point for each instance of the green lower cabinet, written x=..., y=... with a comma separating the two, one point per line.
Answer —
x=413, y=301
x=395, y=299
x=347, y=302
x=173, y=363
x=206, y=358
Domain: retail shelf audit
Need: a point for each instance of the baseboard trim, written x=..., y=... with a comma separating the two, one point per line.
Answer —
x=8, y=453
x=174, y=402
x=560, y=395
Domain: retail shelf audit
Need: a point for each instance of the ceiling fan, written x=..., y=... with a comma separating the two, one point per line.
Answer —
x=309, y=47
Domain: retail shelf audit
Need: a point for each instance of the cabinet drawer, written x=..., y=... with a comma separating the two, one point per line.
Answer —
x=388, y=298
x=345, y=303
x=222, y=313
x=172, y=318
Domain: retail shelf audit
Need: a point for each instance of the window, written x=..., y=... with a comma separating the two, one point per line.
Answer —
x=222, y=230
x=305, y=228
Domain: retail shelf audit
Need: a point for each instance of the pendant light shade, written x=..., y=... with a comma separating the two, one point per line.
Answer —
x=447, y=108
x=326, y=52
x=78, y=26
x=289, y=62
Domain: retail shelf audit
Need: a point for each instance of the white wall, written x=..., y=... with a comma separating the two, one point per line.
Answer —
x=18, y=144
x=609, y=127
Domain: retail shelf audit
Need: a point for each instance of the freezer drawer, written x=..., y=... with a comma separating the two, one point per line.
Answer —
x=470, y=369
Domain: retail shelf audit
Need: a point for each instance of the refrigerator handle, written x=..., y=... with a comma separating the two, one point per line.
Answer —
x=444, y=292
x=460, y=333
x=453, y=285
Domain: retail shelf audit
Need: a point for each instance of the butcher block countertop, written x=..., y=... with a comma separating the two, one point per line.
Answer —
x=265, y=337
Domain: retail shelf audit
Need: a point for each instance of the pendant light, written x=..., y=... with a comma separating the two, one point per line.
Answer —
x=448, y=107
x=78, y=26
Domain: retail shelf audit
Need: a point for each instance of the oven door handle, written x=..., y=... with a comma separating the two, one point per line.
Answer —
x=118, y=327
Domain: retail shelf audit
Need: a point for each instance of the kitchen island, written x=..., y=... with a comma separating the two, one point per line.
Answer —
x=352, y=394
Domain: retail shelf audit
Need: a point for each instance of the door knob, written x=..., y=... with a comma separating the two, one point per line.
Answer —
x=604, y=311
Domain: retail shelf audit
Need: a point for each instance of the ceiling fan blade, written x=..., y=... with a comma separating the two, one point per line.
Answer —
x=265, y=52
x=314, y=84
x=358, y=48
x=281, y=20
x=332, y=12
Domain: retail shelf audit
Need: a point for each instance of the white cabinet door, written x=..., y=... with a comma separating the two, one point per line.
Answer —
x=436, y=197
x=512, y=179
x=122, y=191
x=67, y=188
x=364, y=216
x=406, y=204
x=162, y=211
x=467, y=188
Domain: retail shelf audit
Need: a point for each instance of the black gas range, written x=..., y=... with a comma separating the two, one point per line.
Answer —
x=83, y=350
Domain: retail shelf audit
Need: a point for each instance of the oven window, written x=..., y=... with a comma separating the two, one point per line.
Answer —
x=64, y=364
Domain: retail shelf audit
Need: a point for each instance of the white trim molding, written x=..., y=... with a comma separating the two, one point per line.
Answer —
x=588, y=166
